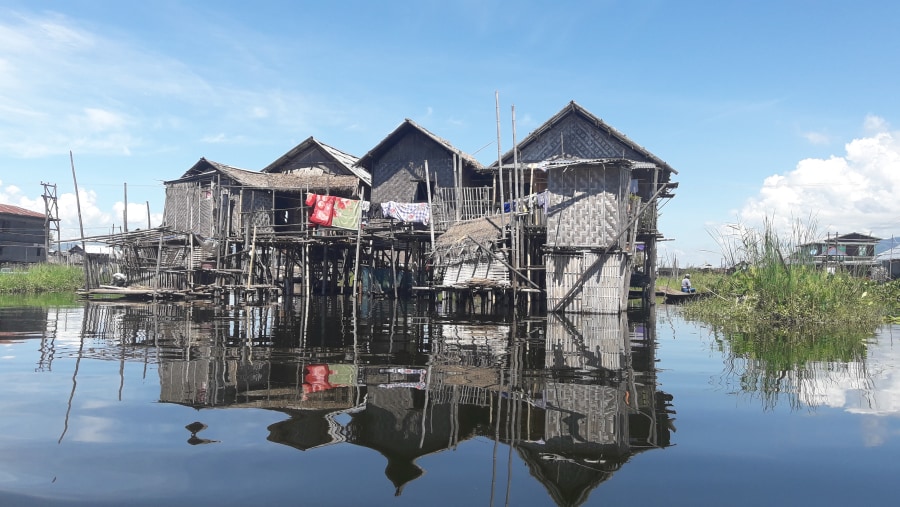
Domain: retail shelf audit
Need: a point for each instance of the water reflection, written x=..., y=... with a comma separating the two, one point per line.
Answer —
x=850, y=370
x=574, y=396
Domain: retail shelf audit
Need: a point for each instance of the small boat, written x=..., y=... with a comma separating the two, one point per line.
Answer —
x=672, y=296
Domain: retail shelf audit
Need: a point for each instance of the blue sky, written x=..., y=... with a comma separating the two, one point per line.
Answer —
x=768, y=109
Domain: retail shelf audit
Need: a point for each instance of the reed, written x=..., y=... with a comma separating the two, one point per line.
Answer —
x=40, y=278
x=777, y=288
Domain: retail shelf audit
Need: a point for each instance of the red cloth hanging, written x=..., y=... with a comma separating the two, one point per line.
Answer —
x=323, y=208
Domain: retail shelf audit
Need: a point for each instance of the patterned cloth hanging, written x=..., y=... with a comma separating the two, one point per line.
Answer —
x=414, y=212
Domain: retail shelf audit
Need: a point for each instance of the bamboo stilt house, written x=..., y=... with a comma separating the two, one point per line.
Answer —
x=601, y=193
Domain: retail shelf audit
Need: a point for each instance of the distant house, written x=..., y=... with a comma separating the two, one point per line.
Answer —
x=397, y=166
x=890, y=261
x=852, y=252
x=23, y=235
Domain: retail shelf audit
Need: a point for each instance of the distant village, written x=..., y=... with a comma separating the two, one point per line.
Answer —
x=565, y=222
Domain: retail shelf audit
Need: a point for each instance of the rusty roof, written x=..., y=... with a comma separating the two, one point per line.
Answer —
x=9, y=209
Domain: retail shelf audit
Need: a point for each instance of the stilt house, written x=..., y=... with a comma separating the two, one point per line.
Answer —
x=600, y=192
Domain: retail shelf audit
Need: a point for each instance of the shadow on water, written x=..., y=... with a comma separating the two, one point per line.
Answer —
x=574, y=397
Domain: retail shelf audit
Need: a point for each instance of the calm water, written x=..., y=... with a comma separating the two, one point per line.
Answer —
x=107, y=404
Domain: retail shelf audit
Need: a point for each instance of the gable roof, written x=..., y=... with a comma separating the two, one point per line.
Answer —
x=409, y=126
x=573, y=108
x=9, y=209
x=853, y=237
x=269, y=181
x=344, y=160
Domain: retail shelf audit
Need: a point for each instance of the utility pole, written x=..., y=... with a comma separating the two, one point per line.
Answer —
x=51, y=217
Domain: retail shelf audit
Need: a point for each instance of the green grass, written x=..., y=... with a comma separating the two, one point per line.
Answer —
x=40, y=278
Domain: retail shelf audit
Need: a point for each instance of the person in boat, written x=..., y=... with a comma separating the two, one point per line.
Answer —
x=686, y=284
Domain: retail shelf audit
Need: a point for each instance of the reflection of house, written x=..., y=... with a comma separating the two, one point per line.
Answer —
x=853, y=252
x=23, y=235
x=592, y=427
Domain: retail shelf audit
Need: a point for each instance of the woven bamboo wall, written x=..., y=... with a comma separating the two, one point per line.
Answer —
x=586, y=206
x=189, y=208
x=257, y=211
x=602, y=282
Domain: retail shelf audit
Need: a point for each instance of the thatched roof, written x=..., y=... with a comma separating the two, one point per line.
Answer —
x=270, y=181
x=463, y=238
x=483, y=230
x=344, y=162
x=402, y=130
x=572, y=108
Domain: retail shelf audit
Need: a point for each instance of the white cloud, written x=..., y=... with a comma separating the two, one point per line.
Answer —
x=852, y=192
x=816, y=138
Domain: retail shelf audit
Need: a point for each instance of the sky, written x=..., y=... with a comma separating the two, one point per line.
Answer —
x=770, y=111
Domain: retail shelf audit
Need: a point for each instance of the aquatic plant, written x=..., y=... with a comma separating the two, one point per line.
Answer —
x=775, y=287
x=42, y=278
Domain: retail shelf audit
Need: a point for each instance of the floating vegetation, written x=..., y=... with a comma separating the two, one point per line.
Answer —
x=39, y=278
x=774, y=288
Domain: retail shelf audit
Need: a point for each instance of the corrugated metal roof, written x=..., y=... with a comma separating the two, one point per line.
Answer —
x=9, y=209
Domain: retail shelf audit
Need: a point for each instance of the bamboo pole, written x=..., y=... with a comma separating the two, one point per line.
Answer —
x=500, y=160
x=87, y=263
x=252, y=259
x=513, y=209
x=125, y=210
x=430, y=213
x=158, y=261
x=356, y=277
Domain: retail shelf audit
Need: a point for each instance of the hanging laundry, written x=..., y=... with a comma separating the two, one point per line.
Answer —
x=413, y=212
x=347, y=213
x=323, y=208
